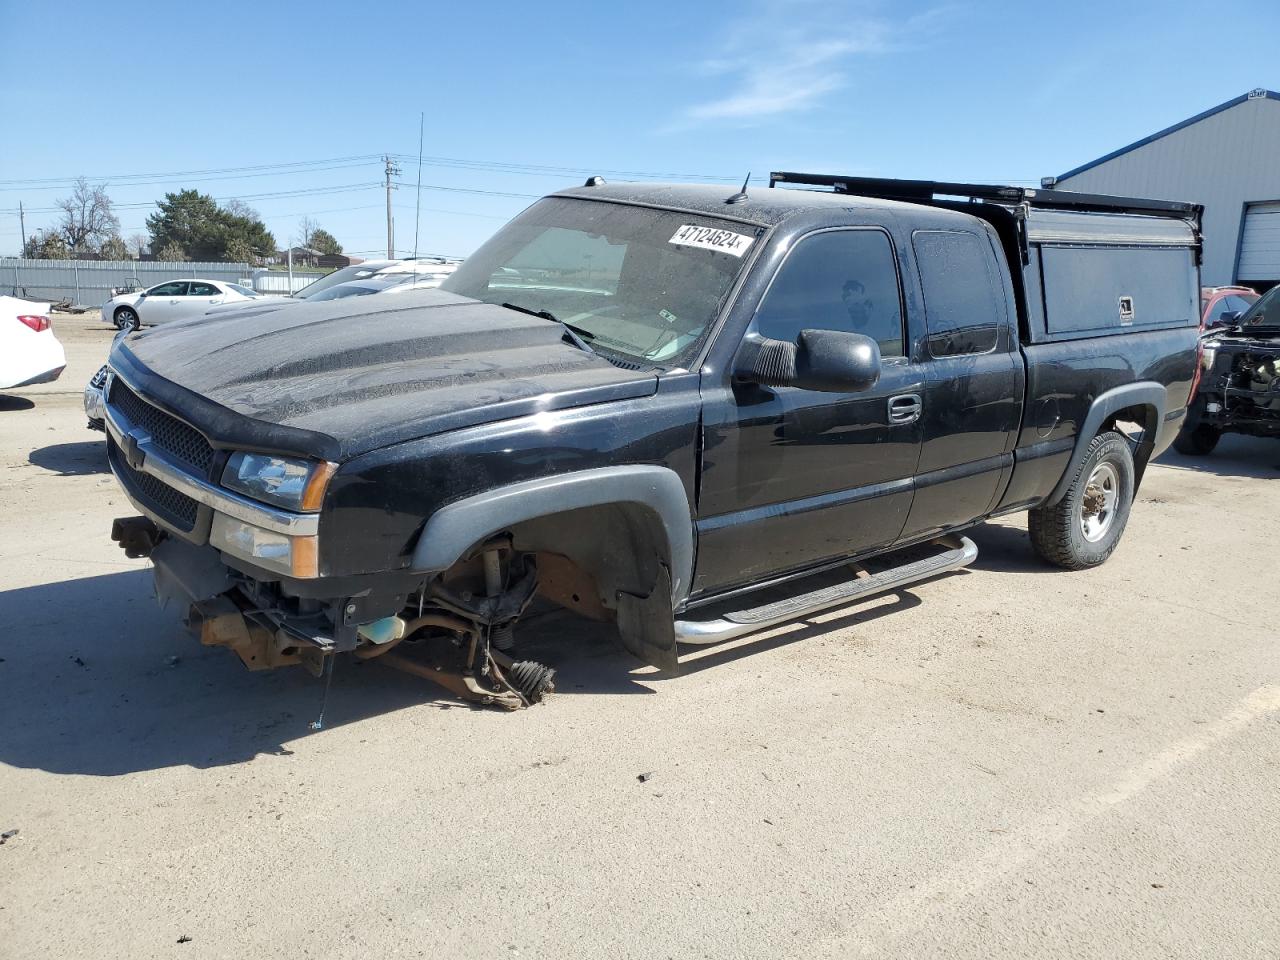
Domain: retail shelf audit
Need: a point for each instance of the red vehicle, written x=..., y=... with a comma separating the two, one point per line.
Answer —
x=1215, y=301
x=1219, y=306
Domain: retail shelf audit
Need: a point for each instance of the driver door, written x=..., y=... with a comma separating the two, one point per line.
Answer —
x=794, y=477
x=201, y=297
x=163, y=303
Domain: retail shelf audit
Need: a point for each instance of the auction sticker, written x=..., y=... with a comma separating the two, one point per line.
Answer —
x=709, y=238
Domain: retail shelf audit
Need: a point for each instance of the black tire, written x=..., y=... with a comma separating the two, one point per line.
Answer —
x=126, y=318
x=1058, y=533
x=1199, y=441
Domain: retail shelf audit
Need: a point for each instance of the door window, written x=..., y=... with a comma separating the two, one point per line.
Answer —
x=204, y=290
x=176, y=288
x=838, y=280
x=962, y=310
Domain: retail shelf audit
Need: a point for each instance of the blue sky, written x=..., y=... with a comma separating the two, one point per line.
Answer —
x=994, y=91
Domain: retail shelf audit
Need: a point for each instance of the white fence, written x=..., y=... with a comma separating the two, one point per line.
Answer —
x=88, y=283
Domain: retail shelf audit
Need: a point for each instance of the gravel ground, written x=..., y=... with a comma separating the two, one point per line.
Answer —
x=1008, y=762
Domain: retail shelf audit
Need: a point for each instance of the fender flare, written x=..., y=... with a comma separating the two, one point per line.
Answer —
x=1142, y=394
x=455, y=527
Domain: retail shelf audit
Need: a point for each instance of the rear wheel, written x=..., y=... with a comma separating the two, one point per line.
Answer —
x=1082, y=529
x=126, y=318
x=1199, y=441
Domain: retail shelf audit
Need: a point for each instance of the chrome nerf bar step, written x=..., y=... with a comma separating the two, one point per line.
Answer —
x=959, y=552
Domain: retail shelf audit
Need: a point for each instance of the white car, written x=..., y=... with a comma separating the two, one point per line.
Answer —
x=173, y=300
x=29, y=352
x=380, y=283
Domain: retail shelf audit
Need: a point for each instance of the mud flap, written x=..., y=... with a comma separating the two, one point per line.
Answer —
x=647, y=625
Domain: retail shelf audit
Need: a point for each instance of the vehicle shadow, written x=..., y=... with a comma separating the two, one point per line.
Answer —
x=99, y=682
x=1005, y=549
x=699, y=657
x=9, y=402
x=72, y=459
x=1234, y=456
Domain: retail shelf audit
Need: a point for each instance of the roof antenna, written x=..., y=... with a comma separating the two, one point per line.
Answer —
x=741, y=195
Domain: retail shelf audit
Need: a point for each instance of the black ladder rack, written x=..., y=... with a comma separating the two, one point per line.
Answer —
x=930, y=191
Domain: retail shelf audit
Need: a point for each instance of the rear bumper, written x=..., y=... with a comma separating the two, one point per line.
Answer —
x=48, y=376
x=31, y=358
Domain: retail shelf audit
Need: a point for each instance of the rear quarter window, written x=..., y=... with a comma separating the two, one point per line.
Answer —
x=963, y=305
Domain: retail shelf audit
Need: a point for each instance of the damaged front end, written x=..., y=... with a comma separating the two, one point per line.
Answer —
x=234, y=540
x=455, y=629
x=1240, y=391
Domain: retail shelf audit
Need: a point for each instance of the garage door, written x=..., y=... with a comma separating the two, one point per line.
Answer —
x=1260, y=243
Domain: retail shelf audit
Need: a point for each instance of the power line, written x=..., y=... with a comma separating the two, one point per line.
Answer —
x=121, y=177
x=455, y=213
x=486, y=193
x=180, y=179
x=543, y=170
x=308, y=191
x=460, y=163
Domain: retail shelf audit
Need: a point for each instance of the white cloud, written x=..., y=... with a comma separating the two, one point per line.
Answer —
x=786, y=55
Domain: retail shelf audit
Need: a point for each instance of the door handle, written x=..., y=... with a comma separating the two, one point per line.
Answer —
x=905, y=408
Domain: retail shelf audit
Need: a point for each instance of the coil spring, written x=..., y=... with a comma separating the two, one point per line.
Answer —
x=533, y=680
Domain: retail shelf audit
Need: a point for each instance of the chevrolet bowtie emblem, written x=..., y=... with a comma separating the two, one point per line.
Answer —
x=133, y=455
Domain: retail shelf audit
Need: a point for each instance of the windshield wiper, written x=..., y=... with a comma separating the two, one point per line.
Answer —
x=575, y=334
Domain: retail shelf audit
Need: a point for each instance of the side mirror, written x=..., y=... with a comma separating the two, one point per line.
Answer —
x=831, y=361
x=1228, y=318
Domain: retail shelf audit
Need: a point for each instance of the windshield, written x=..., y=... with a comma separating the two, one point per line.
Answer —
x=638, y=283
x=244, y=291
x=1264, y=313
x=357, y=271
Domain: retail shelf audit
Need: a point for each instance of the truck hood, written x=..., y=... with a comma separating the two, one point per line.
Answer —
x=339, y=378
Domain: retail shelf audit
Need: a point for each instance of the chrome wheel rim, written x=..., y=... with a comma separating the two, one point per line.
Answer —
x=1098, y=504
x=126, y=319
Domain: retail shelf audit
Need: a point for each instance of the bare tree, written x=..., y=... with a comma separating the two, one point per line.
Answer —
x=238, y=208
x=87, y=218
x=307, y=228
x=137, y=243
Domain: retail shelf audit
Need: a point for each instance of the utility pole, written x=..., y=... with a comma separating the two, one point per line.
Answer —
x=417, y=207
x=392, y=169
x=22, y=219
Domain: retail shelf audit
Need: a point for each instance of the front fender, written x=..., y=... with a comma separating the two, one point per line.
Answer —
x=460, y=525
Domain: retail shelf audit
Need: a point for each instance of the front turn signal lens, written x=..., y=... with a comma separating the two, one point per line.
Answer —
x=313, y=495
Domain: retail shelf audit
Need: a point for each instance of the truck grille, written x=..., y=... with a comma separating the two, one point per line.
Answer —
x=170, y=504
x=168, y=433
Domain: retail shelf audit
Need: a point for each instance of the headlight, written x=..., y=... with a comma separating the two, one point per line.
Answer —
x=289, y=482
x=1208, y=354
x=296, y=556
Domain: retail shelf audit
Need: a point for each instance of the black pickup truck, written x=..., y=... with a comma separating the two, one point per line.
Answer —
x=645, y=403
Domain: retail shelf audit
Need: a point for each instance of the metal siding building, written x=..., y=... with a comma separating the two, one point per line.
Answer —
x=1228, y=159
